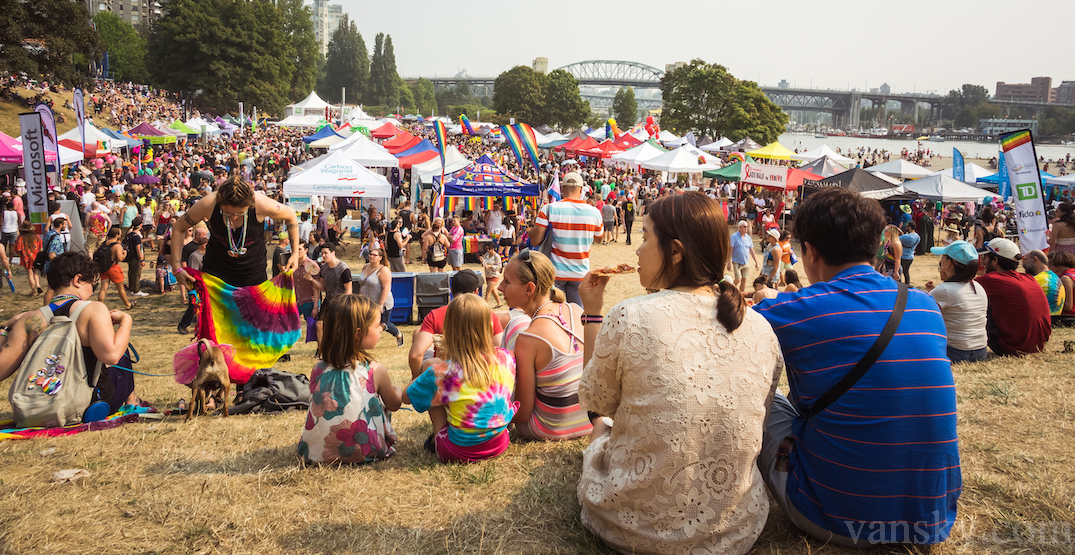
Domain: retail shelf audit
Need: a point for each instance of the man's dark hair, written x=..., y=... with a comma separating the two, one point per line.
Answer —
x=840, y=225
x=58, y=222
x=1004, y=263
x=66, y=266
x=329, y=247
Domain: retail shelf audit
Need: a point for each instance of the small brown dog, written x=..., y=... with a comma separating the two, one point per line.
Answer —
x=212, y=377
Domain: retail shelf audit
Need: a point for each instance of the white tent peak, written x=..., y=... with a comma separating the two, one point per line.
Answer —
x=337, y=175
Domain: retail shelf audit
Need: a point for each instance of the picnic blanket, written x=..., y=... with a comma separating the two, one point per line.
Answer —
x=125, y=414
x=261, y=322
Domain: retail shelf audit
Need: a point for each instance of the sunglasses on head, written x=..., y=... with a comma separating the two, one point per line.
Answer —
x=525, y=257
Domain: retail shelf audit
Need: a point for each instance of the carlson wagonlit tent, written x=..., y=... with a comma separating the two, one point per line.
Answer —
x=336, y=175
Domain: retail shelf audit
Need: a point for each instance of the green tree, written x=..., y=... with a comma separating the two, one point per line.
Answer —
x=708, y=100
x=390, y=76
x=53, y=32
x=305, y=54
x=564, y=106
x=425, y=99
x=375, y=87
x=406, y=97
x=625, y=107
x=230, y=51
x=126, y=48
x=520, y=93
x=347, y=64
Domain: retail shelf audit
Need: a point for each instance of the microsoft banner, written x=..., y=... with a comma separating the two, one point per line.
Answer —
x=1022, y=163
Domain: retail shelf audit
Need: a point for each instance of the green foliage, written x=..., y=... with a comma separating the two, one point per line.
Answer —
x=406, y=97
x=231, y=50
x=520, y=93
x=424, y=98
x=305, y=54
x=625, y=107
x=1057, y=120
x=564, y=106
x=347, y=64
x=460, y=94
x=126, y=48
x=968, y=105
x=708, y=100
x=57, y=31
x=383, y=85
x=473, y=111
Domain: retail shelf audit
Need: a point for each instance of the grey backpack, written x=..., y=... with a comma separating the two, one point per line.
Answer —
x=52, y=387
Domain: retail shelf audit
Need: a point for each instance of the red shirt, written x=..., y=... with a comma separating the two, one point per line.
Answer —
x=1018, y=311
x=434, y=322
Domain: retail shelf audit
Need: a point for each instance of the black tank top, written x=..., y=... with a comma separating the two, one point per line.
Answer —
x=391, y=246
x=244, y=270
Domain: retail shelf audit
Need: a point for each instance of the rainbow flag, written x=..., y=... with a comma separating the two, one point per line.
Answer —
x=1014, y=140
x=261, y=321
x=474, y=203
x=441, y=132
x=467, y=129
x=522, y=140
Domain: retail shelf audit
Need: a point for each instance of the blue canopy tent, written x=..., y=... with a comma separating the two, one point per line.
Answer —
x=993, y=181
x=123, y=139
x=322, y=133
x=484, y=178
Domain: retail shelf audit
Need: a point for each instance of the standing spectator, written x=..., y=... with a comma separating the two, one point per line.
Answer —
x=1018, y=321
x=335, y=274
x=194, y=260
x=375, y=282
x=742, y=245
x=628, y=215
x=436, y=245
x=909, y=240
x=455, y=247
x=494, y=218
x=281, y=253
x=394, y=244
x=113, y=272
x=572, y=225
x=491, y=266
x=963, y=302
x=136, y=257
x=1037, y=264
x=27, y=246
x=608, y=221
x=10, y=226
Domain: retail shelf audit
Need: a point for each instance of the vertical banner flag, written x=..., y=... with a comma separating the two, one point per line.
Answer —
x=554, y=189
x=1005, y=189
x=467, y=129
x=51, y=140
x=240, y=119
x=254, y=121
x=959, y=169
x=80, y=116
x=441, y=132
x=33, y=163
x=1022, y=162
x=523, y=143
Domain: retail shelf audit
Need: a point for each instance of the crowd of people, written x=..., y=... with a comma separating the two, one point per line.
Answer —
x=675, y=389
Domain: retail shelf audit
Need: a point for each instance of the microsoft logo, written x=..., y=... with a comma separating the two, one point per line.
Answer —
x=1026, y=191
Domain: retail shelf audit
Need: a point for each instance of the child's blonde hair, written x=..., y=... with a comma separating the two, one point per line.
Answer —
x=345, y=320
x=468, y=338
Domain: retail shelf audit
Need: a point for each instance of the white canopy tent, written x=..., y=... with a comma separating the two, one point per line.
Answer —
x=93, y=135
x=717, y=145
x=900, y=168
x=299, y=121
x=198, y=123
x=709, y=158
x=884, y=177
x=366, y=152
x=453, y=162
x=340, y=136
x=972, y=172
x=1062, y=181
x=311, y=105
x=680, y=160
x=338, y=176
x=666, y=136
x=163, y=128
x=946, y=189
x=637, y=155
x=67, y=155
x=820, y=151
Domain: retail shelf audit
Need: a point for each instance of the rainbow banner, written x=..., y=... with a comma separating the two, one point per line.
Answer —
x=467, y=129
x=260, y=321
x=475, y=203
x=523, y=143
x=441, y=132
x=1022, y=165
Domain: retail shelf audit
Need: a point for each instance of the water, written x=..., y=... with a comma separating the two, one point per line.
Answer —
x=969, y=149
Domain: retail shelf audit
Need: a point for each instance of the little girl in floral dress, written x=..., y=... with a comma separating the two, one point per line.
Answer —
x=348, y=419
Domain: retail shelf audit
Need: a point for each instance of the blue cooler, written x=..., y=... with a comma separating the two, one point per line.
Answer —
x=402, y=297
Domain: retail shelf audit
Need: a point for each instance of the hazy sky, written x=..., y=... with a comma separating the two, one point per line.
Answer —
x=920, y=45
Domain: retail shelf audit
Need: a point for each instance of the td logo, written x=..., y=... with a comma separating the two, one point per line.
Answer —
x=1027, y=191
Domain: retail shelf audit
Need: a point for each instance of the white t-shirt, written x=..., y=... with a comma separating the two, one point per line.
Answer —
x=493, y=220
x=963, y=306
x=507, y=231
x=11, y=221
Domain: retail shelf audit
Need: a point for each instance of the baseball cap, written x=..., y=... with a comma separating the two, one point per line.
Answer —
x=1004, y=248
x=774, y=233
x=960, y=251
x=282, y=235
x=573, y=179
x=465, y=281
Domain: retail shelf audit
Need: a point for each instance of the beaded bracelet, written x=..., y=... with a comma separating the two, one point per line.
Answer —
x=590, y=319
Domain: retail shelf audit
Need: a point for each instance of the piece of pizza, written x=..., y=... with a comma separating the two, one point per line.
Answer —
x=614, y=270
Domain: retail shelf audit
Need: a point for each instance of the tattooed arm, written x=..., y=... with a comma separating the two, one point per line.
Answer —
x=14, y=346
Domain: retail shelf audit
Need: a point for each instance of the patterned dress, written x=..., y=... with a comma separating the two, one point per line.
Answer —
x=347, y=421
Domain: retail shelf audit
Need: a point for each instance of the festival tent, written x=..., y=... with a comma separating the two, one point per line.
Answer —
x=312, y=105
x=824, y=166
x=417, y=154
x=575, y=145
x=197, y=123
x=797, y=177
x=94, y=136
x=366, y=152
x=971, y=172
x=11, y=151
x=298, y=121
x=123, y=141
x=884, y=177
x=645, y=151
x=183, y=128
x=994, y=180
x=453, y=161
x=544, y=129
x=745, y=144
x=604, y=150
x=717, y=145
x=89, y=150
x=1062, y=181
x=597, y=134
x=902, y=169
x=666, y=136
x=340, y=136
x=679, y=160
x=484, y=178
x=386, y=131
x=67, y=155
x=224, y=126
x=772, y=151
x=339, y=176
x=627, y=141
x=398, y=141
x=395, y=150
x=946, y=189
x=163, y=128
x=820, y=151
x=298, y=168
x=325, y=131
x=862, y=182
x=155, y=136
x=709, y=158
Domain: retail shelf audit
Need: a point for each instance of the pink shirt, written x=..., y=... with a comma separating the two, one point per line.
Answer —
x=456, y=236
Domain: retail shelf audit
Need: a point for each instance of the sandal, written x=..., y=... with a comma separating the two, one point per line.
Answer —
x=132, y=305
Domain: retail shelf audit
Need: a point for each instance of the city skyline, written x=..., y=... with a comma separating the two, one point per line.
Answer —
x=920, y=47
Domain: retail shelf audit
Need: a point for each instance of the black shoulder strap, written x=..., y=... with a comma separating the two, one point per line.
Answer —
x=868, y=359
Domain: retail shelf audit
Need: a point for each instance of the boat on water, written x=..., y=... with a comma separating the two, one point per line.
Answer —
x=937, y=138
x=820, y=136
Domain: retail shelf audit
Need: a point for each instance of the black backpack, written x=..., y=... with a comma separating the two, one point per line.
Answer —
x=103, y=257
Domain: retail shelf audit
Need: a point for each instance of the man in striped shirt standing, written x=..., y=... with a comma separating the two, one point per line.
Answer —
x=574, y=225
x=879, y=463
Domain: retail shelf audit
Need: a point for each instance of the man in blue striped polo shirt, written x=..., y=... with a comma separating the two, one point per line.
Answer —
x=881, y=463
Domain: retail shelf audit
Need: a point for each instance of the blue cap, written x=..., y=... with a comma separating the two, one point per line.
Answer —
x=960, y=251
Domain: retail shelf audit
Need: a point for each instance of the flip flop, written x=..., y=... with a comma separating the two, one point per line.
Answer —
x=133, y=304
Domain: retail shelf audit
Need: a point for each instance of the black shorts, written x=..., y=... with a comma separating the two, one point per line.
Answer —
x=506, y=242
x=432, y=264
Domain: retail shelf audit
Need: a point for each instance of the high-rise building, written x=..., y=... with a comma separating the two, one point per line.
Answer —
x=135, y=12
x=541, y=65
x=326, y=18
x=1039, y=90
x=1065, y=93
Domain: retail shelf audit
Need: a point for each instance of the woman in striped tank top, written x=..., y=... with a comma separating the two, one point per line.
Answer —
x=548, y=351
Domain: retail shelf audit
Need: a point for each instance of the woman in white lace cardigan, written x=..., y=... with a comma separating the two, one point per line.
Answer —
x=687, y=375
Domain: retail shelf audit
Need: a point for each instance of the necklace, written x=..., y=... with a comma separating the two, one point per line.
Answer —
x=64, y=297
x=543, y=305
x=233, y=250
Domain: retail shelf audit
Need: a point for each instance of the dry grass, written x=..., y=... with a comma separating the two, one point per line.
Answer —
x=236, y=485
x=9, y=112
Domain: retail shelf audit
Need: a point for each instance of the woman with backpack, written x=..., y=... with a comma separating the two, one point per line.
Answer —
x=73, y=277
x=436, y=246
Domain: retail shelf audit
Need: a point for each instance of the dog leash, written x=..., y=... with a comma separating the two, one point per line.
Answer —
x=132, y=354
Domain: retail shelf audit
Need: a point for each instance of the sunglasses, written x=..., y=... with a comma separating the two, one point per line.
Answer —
x=525, y=257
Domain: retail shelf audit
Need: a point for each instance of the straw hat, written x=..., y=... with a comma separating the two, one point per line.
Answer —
x=951, y=228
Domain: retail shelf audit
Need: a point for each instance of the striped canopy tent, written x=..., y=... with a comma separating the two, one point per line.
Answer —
x=421, y=152
x=403, y=147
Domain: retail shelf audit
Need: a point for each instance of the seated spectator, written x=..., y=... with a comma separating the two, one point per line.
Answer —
x=1036, y=264
x=840, y=467
x=791, y=278
x=464, y=281
x=1063, y=264
x=763, y=289
x=1018, y=321
x=963, y=303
